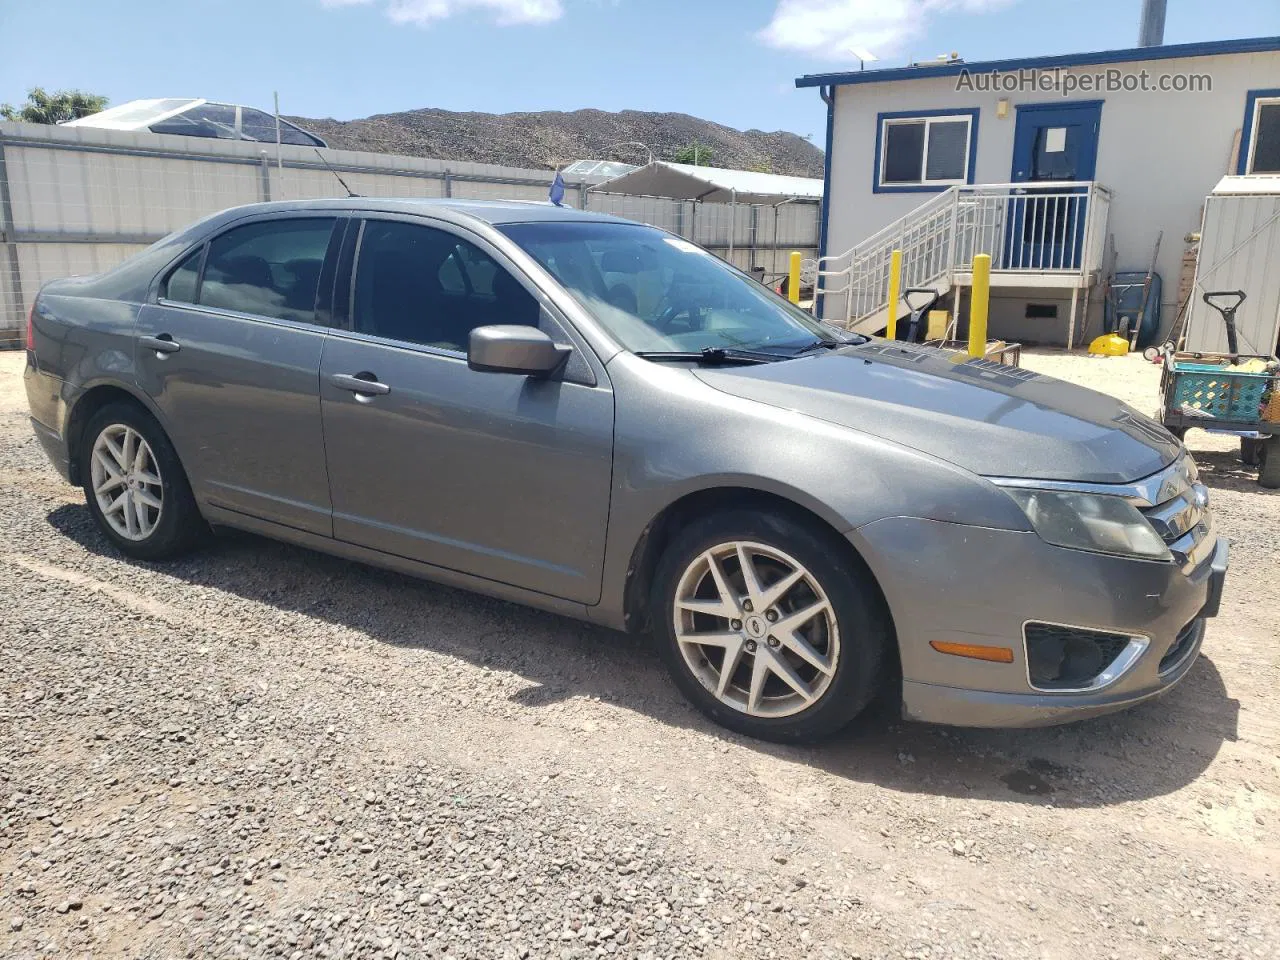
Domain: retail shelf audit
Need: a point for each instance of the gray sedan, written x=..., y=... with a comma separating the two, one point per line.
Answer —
x=598, y=418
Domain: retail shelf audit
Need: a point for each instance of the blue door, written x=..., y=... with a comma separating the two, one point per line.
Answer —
x=1052, y=143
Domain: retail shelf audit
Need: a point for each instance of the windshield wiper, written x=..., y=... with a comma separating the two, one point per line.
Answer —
x=831, y=344
x=711, y=356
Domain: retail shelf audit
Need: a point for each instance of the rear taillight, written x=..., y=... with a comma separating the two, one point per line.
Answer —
x=31, y=328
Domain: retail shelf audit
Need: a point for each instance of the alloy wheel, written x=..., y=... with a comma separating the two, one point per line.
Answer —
x=126, y=482
x=757, y=629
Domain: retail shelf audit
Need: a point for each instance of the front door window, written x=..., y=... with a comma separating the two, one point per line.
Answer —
x=421, y=285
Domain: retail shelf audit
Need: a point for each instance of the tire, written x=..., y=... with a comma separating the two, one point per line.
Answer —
x=1251, y=451
x=138, y=528
x=1269, y=471
x=838, y=654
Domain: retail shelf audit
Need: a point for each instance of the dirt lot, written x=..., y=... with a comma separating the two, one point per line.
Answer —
x=262, y=751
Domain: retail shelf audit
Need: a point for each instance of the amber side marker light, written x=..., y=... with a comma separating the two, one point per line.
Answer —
x=974, y=651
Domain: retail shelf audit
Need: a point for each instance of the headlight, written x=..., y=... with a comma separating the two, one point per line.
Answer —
x=1086, y=521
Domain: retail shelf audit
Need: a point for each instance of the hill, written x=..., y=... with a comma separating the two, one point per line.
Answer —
x=553, y=138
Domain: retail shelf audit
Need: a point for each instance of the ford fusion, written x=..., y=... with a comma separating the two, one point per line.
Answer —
x=601, y=419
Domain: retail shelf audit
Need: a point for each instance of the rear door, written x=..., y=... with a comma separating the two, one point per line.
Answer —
x=230, y=354
x=498, y=475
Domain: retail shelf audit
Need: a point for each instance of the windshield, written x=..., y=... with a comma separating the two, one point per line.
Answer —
x=657, y=293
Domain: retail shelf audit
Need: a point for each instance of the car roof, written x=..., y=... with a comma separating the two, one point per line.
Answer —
x=495, y=212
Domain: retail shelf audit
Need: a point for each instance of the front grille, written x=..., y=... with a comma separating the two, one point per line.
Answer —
x=1181, y=517
x=1069, y=658
x=1183, y=645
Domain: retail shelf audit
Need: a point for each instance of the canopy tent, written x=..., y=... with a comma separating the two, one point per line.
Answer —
x=595, y=171
x=680, y=181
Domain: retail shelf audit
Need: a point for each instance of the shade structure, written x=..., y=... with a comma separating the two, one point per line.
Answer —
x=681, y=181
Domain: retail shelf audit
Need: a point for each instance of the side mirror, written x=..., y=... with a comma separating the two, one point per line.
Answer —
x=515, y=349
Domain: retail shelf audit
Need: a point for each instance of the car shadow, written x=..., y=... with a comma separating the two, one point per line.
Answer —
x=1149, y=751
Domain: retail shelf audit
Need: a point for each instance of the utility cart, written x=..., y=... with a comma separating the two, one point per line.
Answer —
x=1226, y=393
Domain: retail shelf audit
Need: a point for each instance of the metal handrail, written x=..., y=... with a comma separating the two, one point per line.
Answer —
x=1026, y=227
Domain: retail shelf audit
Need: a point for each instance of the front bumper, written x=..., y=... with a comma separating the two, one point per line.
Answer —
x=973, y=585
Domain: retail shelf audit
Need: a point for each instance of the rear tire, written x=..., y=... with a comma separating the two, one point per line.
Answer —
x=1269, y=471
x=135, y=486
x=1251, y=451
x=803, y=666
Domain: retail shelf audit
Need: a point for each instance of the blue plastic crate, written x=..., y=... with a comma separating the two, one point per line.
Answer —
x=1215, y=390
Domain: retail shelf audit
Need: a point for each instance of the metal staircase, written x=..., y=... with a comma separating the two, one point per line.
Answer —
x=1046, y=234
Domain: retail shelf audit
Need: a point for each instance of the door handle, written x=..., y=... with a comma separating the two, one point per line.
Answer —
x=164, y=343
x=361, y=384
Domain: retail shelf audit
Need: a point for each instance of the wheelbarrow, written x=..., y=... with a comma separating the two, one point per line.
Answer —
x=1210, y=391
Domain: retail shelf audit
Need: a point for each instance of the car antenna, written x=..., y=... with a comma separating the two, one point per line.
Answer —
x=350, y=192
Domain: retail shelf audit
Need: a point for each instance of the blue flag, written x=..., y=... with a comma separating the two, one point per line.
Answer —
x=557, y=190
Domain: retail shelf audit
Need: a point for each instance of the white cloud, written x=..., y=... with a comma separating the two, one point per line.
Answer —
x=503, y=12
x=829, y=28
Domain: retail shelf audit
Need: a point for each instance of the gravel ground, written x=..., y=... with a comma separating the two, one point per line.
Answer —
x=261, y=752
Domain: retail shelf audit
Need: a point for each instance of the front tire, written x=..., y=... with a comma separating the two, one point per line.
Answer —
x=769, y=625
x=135, y=486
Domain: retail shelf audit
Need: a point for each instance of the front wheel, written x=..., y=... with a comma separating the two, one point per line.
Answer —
x=135, y=486
x=769, y=625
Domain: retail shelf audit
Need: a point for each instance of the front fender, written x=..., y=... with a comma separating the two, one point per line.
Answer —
x=674, y=436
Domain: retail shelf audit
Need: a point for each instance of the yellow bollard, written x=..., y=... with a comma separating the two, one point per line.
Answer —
x=895, y=294
x=793, y=279
x=980, y=305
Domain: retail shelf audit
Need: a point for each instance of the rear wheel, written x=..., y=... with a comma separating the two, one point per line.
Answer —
x=1269, y=457
x=769, y=625
x=135, y=486
x=1251, y=451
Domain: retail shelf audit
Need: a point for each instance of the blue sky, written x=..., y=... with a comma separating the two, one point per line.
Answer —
x=732, y=61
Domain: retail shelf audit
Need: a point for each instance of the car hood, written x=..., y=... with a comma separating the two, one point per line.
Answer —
x=989, y=419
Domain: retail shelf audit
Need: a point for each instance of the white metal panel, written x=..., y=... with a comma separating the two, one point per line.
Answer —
x=1239, y=250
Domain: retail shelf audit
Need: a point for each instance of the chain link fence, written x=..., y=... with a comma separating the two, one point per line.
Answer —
x=77, y=201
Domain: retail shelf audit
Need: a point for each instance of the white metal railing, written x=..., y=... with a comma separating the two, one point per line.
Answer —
x=1045, y=228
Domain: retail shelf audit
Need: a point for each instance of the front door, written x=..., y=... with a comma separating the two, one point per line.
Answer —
x=230, y=354
x=1052, y=143
x=497, y=475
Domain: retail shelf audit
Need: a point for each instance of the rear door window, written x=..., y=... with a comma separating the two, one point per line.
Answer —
x=270, y=268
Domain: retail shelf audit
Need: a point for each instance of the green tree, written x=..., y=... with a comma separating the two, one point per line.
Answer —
x=45, y=107
x=695, y=154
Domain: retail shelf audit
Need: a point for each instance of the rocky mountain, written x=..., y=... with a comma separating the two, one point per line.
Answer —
x=550, y=139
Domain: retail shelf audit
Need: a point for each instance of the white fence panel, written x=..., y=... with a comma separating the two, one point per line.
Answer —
x=79, y=201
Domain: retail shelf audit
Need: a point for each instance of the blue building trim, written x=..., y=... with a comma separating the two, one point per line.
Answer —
x=1246, y=134
x=1056, y=105
x=1100, y=58
x=971, y=112
x=819, y=296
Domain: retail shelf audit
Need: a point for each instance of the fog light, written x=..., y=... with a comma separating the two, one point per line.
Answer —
x=1068, y=658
